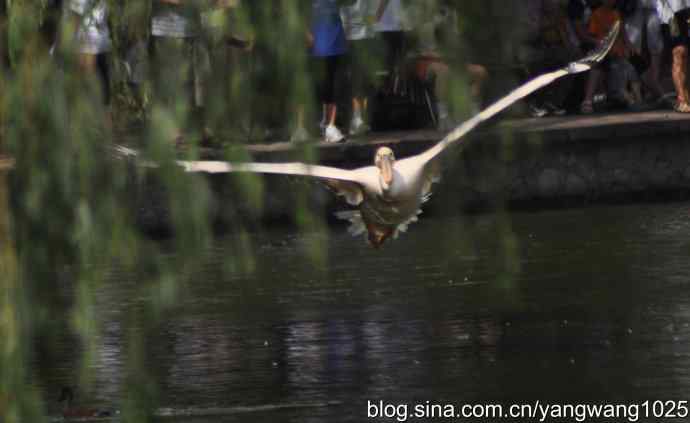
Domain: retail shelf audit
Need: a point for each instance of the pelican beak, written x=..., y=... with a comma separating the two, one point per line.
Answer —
x=386, y=167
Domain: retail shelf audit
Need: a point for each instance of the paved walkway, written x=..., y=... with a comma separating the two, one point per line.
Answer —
x=550, y=129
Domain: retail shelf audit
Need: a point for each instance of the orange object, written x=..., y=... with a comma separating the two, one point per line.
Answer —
x=421, y=67
x=602, y=20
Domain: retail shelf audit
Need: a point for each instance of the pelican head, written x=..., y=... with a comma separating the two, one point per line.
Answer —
x=384, y=160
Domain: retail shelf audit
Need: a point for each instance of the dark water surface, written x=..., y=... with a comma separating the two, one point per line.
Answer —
x=589, y=304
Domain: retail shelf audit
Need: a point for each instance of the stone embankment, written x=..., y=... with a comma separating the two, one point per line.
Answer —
x=514, y=163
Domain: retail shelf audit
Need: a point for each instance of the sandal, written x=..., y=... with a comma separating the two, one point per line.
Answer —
x=682, y=107
x=586, y=108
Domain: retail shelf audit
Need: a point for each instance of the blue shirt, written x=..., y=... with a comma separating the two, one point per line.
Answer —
x=327, y=28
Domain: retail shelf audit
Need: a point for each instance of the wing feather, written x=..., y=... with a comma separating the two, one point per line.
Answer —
x=517, y=94
x=344, y=182
x=295, y=168
x=357, y=226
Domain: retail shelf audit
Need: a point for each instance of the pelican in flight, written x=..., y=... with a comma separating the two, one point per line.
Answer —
x=388, y=194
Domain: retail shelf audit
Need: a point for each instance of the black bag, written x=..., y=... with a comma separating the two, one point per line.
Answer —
x=408, y=108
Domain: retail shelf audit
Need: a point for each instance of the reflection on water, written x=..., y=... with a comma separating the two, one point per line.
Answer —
x=587, y=304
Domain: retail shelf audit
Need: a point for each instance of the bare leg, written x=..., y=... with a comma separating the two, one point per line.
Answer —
x=440, y=71
x=332, y=133
x=299, y=134
x=360, y=105
x=679, y=73
x=359, y=110
x=331, y=113
x=592, y=83
x=357, y=106
x=478, y=75
x=637, y=92
x=87, y=63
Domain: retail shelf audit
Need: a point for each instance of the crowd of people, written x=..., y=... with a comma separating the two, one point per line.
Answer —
x=632, y=76
x=343, y=40
x=354, y=47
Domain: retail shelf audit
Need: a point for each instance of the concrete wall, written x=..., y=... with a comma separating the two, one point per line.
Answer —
x=515, y=164
x=593, y=164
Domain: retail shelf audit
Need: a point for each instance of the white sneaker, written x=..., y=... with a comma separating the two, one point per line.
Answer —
x=536, y=111
x=333, y=134
x=300, y=135
x=358, y=127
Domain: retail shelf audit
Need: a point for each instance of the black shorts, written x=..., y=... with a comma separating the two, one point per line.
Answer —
x=361, y=67
x=678, y=28
x=328, y=72
x=395, y=48
x=103, y=69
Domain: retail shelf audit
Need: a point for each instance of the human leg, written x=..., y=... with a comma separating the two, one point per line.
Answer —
x=593, y=79
x=327, y=69
x=478, y=76
x=359, y=82
x=172, y=85
x=655, y=45
x=679, y=42
x=679, y=72
x=328, y=97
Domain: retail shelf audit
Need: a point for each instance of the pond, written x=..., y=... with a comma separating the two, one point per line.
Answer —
x=588, y=304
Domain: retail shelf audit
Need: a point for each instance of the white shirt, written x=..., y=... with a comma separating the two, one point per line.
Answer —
x=394, y=18
x=169, y=23
x=356, y=19
x=93, y=35
x=666, y=8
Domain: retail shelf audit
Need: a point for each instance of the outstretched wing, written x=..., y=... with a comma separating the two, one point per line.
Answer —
x=529, y=87
x=344, y=182
x=295, y=168
x=211, y=166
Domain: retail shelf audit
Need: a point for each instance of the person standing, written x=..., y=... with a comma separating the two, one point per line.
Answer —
x=180, y=61
x=229, y=38
x=4, y=39
x=328, y=47
x=92, y=42
x=675, y=14
x=642, y=23
x=360, y=33
x=579, y=12
x=392, y=22
x=623, y=81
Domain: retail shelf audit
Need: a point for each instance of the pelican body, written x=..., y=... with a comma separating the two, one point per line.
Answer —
x=392, y=193
x=388, y=194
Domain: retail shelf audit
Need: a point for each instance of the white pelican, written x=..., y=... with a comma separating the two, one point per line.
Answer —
x=389, y=193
